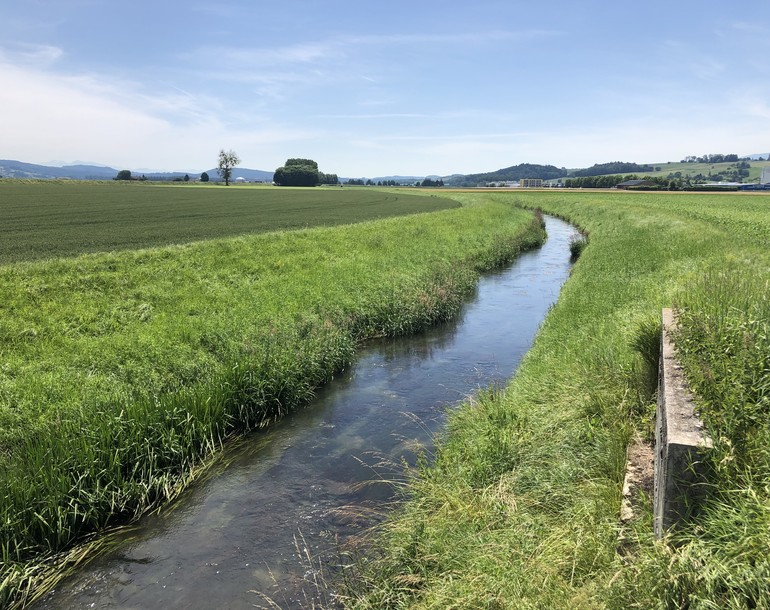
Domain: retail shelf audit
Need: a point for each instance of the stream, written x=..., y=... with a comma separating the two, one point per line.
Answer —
x=282, y=502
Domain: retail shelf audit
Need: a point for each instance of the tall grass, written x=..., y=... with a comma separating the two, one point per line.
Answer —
x=520, y=508
x=723, y=560
x=122, y=372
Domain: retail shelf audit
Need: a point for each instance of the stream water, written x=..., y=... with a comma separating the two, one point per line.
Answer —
x=320, y=477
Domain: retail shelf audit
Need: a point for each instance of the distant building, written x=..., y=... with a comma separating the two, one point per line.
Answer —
x=240, y=179
x=765, y=177
x=632, y=184
x=531, y=182
x=729, y=186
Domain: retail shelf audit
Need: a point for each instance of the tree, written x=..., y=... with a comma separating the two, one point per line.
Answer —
x=227, y=162
x=328, y=178
x=187, y=177
x=204, y=177
x=297, y=172
x=124, y=174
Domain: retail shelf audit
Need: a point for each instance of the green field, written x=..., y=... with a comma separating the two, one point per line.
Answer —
x=520, y=508
x=121, y=372
x=49, y=219
x=705, y=169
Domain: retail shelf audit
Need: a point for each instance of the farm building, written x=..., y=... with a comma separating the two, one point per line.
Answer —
x=631, y=184
x=531, y=182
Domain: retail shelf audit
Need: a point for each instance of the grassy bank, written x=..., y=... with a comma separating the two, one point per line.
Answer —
x=520, y=506
x=120, y=372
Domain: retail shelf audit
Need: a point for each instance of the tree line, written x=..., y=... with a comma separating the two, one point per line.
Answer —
x=731, y=158
x=295, y=172
x=614, y=167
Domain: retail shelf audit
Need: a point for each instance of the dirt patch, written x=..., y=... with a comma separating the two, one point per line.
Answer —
x=638, y=483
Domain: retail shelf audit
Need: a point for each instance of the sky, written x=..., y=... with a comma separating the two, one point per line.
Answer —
x=382, y=88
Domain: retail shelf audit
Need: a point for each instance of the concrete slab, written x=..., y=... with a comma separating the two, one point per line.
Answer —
x=680, y=441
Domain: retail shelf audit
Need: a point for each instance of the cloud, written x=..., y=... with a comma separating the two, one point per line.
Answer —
x=117, y=123
x=380, y=116
x=752, y=104
x=228, y=59
x=751, y=27
x=290, y=63
x=452, y=38
x=39, y=55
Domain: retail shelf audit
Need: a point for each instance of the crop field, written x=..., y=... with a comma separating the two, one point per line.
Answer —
x=520, y=508
x=121, y=372
x=48, y=219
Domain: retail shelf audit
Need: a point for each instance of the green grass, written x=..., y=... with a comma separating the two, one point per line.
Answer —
x=693, y=169
x=519, y=507
x=121, y=372
x=48, y=219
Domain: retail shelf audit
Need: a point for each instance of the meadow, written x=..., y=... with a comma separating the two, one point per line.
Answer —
x=518, y=506
x=49, y=219
x=122, y=372
x=705, y=169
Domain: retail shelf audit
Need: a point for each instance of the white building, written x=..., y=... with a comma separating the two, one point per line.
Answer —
x=765, y=177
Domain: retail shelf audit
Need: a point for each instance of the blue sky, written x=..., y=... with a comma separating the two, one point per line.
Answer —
x=378, y=88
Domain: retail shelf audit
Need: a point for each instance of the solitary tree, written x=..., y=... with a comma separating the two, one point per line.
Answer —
x=204, y=177
x=124, y=174
x=227, y=161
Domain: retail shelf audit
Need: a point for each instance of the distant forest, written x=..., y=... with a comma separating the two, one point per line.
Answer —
x=508, y=174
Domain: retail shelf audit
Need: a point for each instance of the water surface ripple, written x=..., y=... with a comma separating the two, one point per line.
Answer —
x=234, y=535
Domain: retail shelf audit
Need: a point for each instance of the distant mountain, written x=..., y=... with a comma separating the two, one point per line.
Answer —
x=513, y=173
x=19, y=169
x=399, y=179
x=78, y=171
x=252, y=175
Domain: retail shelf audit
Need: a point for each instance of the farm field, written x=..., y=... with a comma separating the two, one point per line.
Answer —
x=121, y=372
x=520, y=508
x=48, y=219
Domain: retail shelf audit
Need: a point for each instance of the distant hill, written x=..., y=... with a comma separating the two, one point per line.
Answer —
x=18, y=169
x=507, y=174
x=252, y=175
x=400, y=179
x=615, y=167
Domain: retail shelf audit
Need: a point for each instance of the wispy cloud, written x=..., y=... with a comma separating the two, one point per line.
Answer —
x=478, y=37
x=39, y=55
x=684, y=57
x=378, y=116
x=751, y=27
x=340, y=47
x=120, y=122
